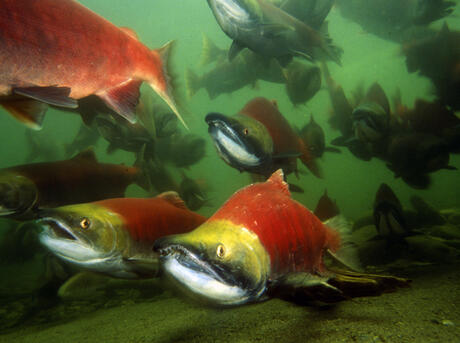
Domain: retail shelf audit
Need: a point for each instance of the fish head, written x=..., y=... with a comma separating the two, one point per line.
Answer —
x=87, y=235
x=219, y=263
x=303, y=81
x=370, y=122
x=313, y=136
x=18, y=194
x=242, y=142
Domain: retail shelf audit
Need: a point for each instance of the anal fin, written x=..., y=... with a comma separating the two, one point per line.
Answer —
x=123, y=99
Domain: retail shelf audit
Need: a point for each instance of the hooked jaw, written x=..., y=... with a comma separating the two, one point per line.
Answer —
x=60, y=240
x=204, y=280
x=230, y=146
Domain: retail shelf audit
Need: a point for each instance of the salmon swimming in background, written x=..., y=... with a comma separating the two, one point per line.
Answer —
x=115, y=236
x=259, y=140
x=54, y=52
x=25, y=188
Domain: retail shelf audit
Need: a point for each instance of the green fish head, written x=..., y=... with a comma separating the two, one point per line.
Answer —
x=18, y=194
x=243, y=142
x=219, y=263
x=87, y=235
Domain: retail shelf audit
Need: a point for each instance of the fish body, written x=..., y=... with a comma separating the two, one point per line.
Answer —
x=229, y=76
x=123, y=135
x=259, y=139
x=313, y=136
x=394, y=19
x=56, y=52
x=388, y=214
x=412, y=156
x=257, y=237
x=437, y=57
x=77, y=180
x=371, y=118
x=225, y=77
x=341, y=107
x=303, y=81
x=268, y=30
x=115, y=236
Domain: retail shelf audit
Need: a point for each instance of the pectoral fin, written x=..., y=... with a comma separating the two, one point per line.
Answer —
x=147, y=267
x=306, y=288
x=234, y=50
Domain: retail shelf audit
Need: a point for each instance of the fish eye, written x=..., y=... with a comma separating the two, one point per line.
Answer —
x=220, y=251
x=246, y=131
x=85, y=223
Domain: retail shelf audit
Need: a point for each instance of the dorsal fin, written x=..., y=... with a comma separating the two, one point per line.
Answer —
x=87, y=154
x=174, y=199
x=129, y=31
x=277, y=179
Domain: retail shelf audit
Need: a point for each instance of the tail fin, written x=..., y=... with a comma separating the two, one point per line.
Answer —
x=340, y=247
x=332, y=51
x=192, y=83
x=167, y=90
x=210, y=51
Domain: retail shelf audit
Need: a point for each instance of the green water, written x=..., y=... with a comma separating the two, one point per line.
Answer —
x=351, y=182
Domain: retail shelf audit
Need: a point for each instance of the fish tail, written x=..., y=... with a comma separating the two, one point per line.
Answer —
x=329, y=48
x=340, y=243
x=210, y=51
x=192, y=83
x=166, y=90
x=309, y=160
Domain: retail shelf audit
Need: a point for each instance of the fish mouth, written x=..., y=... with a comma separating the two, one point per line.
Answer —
x=57, y=229
x=59, y=238
x=231, y=146
x=5, y=211
x=211, y=282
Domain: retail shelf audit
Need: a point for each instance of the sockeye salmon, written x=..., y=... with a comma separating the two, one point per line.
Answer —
x=58, y=51
x=259, y=139
x=25, y=188
x=116, y=236
x=252, y=245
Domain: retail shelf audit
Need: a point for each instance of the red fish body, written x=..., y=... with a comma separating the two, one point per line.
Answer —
x=77, y=180
x=285, y=140
x=148, y=219
x=293, y=236
x=63, y=45
x=116, y=236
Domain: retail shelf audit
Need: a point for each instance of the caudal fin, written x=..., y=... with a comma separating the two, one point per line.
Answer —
x=192, y=83
x=210, y=51
x=166, y=89
x=332, y=51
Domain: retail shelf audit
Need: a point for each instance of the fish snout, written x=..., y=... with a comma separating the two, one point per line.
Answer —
x=215, y=119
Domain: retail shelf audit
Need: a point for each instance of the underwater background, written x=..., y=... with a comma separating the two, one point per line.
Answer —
x=351, y=182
